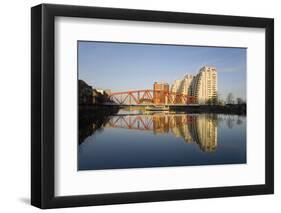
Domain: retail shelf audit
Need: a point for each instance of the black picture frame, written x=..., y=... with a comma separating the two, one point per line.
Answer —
x=43, y=105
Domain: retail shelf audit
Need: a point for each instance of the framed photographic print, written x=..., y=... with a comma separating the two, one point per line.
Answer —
x=139, y=106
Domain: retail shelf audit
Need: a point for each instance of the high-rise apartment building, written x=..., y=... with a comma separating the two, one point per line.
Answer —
x=183, y=86
x=187, y=85
x=203, y=86
x=176, y=86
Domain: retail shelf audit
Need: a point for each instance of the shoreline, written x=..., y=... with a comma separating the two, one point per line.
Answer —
x=227, y=109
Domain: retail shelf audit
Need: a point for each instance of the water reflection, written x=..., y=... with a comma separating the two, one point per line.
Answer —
x=135, y=139
x=200, y=129
x=93, y=120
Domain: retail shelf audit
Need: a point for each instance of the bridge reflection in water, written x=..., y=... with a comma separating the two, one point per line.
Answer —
x=134, y=139
x=200, y=129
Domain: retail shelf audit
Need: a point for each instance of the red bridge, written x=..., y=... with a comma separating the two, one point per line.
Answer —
x=151, y=97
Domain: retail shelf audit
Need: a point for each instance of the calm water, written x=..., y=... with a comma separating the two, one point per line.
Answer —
x=134, y=139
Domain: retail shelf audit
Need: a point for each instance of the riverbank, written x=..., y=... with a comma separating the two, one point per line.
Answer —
x=226, y=109
x=105, y=110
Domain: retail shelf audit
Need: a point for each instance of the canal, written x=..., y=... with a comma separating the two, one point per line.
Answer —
x=141, y=139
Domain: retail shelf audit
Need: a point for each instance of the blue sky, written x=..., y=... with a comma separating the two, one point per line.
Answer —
x=127, y=66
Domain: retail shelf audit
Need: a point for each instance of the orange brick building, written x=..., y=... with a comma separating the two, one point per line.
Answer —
x=160, y=89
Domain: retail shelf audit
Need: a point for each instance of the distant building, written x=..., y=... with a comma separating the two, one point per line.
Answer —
x=107, y=91
x=160, y=90
x=203, y=86
x=176, y=86
x=95, y=95
x=100, y=96
x=85, y=93
x=183, y=86
x=101, y=91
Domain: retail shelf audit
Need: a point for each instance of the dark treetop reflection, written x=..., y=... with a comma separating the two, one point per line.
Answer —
x=139, y=140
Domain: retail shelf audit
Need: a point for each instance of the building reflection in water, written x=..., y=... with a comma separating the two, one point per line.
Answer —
x=196, y=128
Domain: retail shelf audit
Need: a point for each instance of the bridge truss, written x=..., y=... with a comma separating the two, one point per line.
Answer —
x=149, y=97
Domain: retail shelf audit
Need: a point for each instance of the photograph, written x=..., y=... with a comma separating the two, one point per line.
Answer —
x=160, y=105
x=139, y=105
